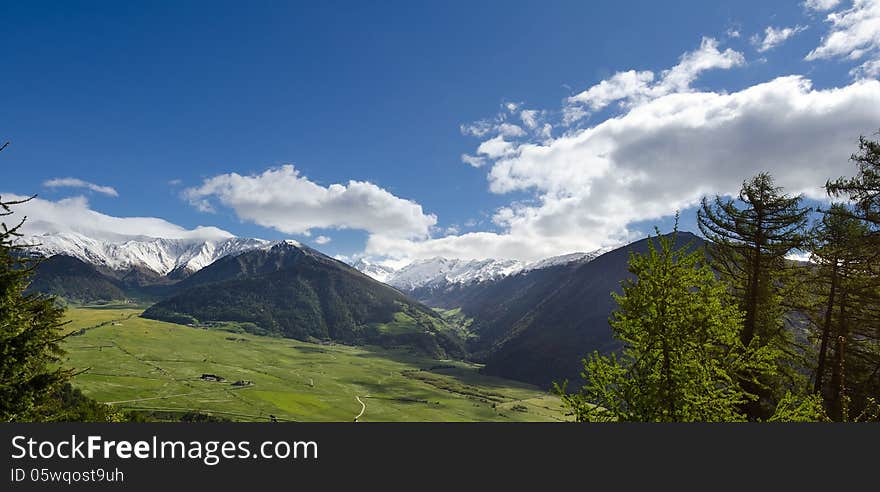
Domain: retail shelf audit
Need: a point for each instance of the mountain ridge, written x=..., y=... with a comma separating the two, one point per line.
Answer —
x=439, y=273
x=297, y=292
x=158, y=255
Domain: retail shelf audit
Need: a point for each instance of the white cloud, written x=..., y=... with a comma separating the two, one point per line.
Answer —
x=717, y=134
x=691, y=65
x=505, y=128
x=636, y=87
x=495, y=147
x=477, y=129
x=322, y=240
x=868, y=70
x=854, y=32
x=529, y=118
x=590, y=185
x=773, y=37
x=282, y=199
x=74, y=215
x=78, y=183
x=622, y=85
x=510, y=130
x=546, y=131
x=820, y=5
x=473, y=161
x=572, y=113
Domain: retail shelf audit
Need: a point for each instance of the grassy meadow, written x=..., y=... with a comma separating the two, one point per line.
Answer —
x=140, y=364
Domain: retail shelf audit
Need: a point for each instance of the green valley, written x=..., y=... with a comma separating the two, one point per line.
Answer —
x=167, y=370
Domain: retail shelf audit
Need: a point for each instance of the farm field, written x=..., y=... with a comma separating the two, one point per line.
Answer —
x=140, y=364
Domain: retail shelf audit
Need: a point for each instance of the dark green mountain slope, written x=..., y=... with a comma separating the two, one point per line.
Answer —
x=549, y=340
x=297, y=292
x=494, y=307
x=75, y=281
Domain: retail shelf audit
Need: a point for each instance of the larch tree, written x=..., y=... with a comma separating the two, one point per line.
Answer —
x=682, y=352
x=749, y=239
x=854, y=388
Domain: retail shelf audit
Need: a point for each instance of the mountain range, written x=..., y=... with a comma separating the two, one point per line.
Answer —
x=163, y=257
x=532, y=322
x=425, y=278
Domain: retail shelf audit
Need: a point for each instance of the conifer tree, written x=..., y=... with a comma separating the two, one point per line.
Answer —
x=682, y=350
x=863, y=189
x=30, y=332
x=854, y=389
x=841, y=273
x=749, y=240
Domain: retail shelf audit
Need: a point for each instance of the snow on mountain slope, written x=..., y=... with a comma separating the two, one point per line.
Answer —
x=172, y=256
x=443, y=271
x=379, y=272
x=440, y=272
x=158, y=255
x=565, y=259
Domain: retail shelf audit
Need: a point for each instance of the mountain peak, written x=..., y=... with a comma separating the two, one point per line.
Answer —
x=159, y=255
x=440, y=272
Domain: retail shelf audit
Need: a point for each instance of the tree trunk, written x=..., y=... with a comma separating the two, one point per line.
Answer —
x=826, y=333
x=667, y=373
x=838, y=380
x=750, y=325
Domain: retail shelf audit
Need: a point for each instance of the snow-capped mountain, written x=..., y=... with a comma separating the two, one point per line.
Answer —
x=442, y=272
x=565, y=259
x=379, y=272
x=161, y=256
x=437, y=272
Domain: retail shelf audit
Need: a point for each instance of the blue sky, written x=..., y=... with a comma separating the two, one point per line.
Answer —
x=160, y=98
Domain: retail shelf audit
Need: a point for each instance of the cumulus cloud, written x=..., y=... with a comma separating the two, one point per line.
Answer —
x=854, y=32
x=636, y=87
x=670, y=146
x=74, y=215
x=78, y=183
x=495, y=147
x=781, y=126
x=589, y=186
x=284, y=200
x=623, y=85
x=774, y=36
x=322, y=240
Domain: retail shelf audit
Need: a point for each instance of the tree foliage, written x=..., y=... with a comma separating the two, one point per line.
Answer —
x=682, y=350
x=847, y=252
x=30, y=332
x=749, y=241
x=34, y=387
x=864, y=188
